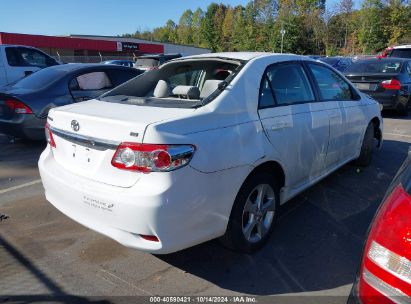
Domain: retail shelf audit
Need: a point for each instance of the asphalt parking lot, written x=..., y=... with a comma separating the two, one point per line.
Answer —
x=314, y=250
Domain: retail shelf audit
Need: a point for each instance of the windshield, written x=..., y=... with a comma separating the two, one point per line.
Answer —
x=39, y=79
x=183, y=83
x=149, y=62
x=376, y=67
x=401, y=53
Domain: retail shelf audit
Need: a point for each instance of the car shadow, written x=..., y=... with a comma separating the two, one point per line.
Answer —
x=392, y=114
x=318, y=241
x=22, y=151
x=55, y=293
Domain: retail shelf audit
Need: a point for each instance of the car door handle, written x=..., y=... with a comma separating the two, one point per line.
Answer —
x=27, y=73
x=334, y=115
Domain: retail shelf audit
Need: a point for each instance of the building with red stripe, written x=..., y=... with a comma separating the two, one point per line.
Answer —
x=72, y=46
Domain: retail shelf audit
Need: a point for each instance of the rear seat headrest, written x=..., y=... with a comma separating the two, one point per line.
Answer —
x=161, y=90
x=209, y=87
x=189, y=92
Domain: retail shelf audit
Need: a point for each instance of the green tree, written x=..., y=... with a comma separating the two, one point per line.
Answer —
x=250, y=27
x=399, y=21
x=197, y=18
x=227, y=30
x=184, y=28
x=238, y=35
x=371, y=31
x=209, y=30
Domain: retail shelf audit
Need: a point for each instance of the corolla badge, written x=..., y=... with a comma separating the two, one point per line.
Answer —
x=75, y=125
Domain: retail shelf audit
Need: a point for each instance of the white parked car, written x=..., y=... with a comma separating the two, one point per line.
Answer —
x=17, y=61
x=204, y=147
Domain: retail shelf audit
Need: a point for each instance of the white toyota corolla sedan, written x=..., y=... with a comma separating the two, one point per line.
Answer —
x=204, y=147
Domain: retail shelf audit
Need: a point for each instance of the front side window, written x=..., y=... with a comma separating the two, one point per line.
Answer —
x=31, y=57
x=331, y=85
x=287, y=83
x=24, y=57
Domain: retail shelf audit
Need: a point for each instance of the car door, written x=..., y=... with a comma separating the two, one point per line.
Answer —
x=23, y=61
x=89, y=85
x=294, y=122
x=345, y=114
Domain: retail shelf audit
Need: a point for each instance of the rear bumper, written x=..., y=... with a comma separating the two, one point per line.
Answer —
x=26, y=126
x=353, y=297
x=182, y=208
x=392, y=100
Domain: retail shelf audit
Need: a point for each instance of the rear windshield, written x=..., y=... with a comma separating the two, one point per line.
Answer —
x=375, y=66
x=182, y=84
x=39, y=79
x=330, y=61
x=401, y=53
x=147, y=62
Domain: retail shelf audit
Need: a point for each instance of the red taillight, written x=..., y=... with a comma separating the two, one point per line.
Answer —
x=17, y=106
x=392, y=84
x=49, y=136
x=151, y=157
x=151, y=238
x=386, y=267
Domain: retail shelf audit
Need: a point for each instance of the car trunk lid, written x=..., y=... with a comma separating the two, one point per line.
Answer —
x=370, y=82
x=88, y=133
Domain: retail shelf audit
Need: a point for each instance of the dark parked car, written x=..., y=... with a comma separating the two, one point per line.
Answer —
x=152, y=62
x=338, y=63
x=387, y=80
x=385, y=272
x=24, y=105
x=127, y=63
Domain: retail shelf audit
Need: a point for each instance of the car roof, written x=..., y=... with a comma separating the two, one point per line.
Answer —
x=247, y=56
x=406, y=46
x=118, y=60
x=159, y=55
x=69, y=67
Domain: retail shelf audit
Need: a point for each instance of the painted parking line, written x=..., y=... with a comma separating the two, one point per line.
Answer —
x=37, y=181
x=396, y=134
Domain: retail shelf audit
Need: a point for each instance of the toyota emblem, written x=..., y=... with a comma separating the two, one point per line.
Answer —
x=75, y=125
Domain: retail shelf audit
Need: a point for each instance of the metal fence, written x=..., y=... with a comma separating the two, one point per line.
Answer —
x=91, y=59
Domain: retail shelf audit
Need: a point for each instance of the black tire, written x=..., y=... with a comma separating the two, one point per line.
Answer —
x=403, y=110
x=235, y=238
x=364, y=159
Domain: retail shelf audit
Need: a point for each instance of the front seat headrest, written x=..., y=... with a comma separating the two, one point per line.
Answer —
x=161, y=90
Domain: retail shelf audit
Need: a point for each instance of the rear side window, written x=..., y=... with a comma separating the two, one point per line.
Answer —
x=285, y=84
x=91, y=81
x=401, y=53
x=331, y=85
x=12, y=58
